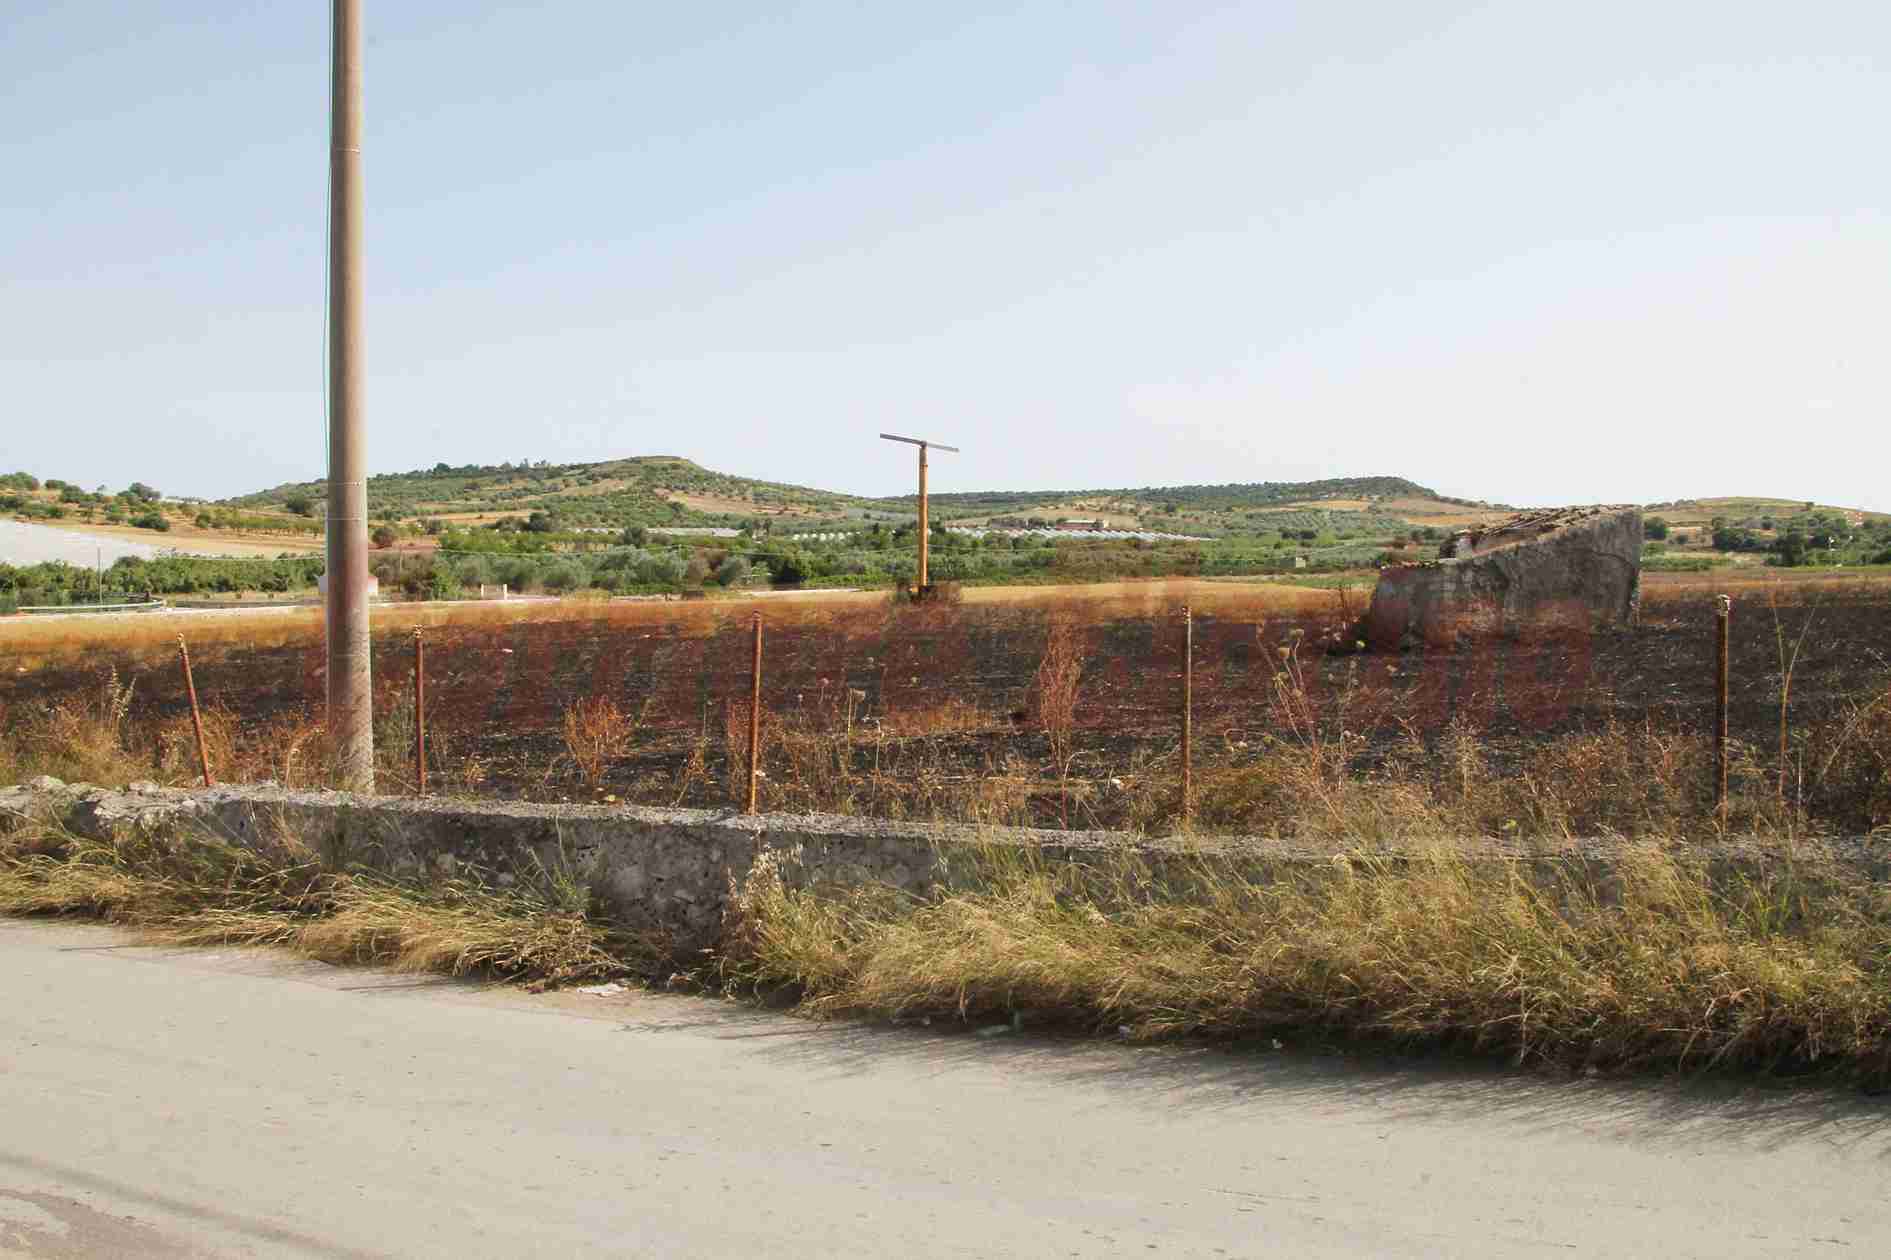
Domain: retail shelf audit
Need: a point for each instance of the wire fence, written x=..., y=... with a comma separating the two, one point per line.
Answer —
x=948, y=710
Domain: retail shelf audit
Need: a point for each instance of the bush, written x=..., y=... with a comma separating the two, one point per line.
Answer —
x=383, y=536
x=472, y=570
x=787, y=570
x=517, y=575
x=442, y=583
x=566, y=577
x=151, y=520
x=663, y=570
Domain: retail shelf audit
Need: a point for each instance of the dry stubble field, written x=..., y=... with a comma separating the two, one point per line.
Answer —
x=1051, y=707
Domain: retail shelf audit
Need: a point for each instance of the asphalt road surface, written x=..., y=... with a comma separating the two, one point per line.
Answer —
x=165, y=1104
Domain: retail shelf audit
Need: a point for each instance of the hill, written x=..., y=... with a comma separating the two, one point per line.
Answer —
x=1233, y=496
x=642, y=490
x=1366, y=503
x=653, y=490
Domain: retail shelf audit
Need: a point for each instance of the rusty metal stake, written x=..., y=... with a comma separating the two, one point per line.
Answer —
x=755, y=720
x=1188, y=714
x=1722, y=614
x=420, y=713
x=196, y=718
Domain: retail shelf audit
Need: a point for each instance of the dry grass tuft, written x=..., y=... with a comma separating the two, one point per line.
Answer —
x=86, y=737
x=597, y=733
x=1658, y=964
x=195, y=889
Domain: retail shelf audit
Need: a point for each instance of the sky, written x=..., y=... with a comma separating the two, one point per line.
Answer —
x=1528, y=252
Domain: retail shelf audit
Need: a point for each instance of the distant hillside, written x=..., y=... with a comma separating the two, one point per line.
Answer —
x=1233, y=496
x=642, y=490
x=1363, y=502
x=667, y=490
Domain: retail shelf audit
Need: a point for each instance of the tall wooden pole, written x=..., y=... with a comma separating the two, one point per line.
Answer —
x=420, y=713
x=925, y=529
x=196, y=718
x=1188, y=714
x=350, y=702
x=755, y=720
x=925, y=515
x=1723, y=611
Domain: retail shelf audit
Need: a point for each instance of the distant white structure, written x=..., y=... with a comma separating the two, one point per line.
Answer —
x=1146, y=535
x=373, y=585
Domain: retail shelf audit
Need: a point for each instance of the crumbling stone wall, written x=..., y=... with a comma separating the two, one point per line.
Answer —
x=1566, y=566
x=669, y=872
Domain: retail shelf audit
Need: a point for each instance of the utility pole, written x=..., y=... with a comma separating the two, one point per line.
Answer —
x=924, y=586
x=350, y=711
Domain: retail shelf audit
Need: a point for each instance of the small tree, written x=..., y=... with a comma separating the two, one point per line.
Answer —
x=569, y=576
x=383, y=536
x=733, y=571
x=299, y=505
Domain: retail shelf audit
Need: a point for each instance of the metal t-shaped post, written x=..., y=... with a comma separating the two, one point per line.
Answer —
x=925, y=535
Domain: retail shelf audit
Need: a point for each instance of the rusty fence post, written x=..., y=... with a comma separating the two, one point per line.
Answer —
x=1188, y=714
x=1722, y=613
x=420, y=713
x=196, y=718
x=755, y=720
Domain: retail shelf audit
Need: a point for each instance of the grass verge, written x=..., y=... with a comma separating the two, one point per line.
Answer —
x=1660, y=963
x=1653, y=959
x=195, y=889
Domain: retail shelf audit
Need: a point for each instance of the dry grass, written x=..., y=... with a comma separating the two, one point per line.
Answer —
x=1054, y=689
x=597, y=733
x=87, y=737
x=195, y=889
x=1054, y=700
x=1659, y=964
x=948, y=715
x=927, y=712
x=32, y=643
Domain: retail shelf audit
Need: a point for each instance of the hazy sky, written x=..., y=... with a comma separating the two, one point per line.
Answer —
x=1540, y=252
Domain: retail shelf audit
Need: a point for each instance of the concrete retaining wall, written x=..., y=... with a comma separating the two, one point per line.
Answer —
x=663, y=869
x=669, y=870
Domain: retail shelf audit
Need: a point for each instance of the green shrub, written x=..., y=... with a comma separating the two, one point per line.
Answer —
x=565, y=577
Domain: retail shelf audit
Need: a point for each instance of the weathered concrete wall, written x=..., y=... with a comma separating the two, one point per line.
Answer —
x=669, y=871
x=1576, y=566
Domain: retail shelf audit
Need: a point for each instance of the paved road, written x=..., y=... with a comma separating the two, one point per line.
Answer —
x=168, y=1104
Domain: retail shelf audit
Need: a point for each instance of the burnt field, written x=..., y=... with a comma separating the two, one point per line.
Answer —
x=1062, y=712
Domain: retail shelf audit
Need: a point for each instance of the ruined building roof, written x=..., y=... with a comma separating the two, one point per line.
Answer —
x=1528, y=527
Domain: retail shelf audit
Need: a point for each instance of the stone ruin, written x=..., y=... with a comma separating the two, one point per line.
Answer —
x=1576, y=566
